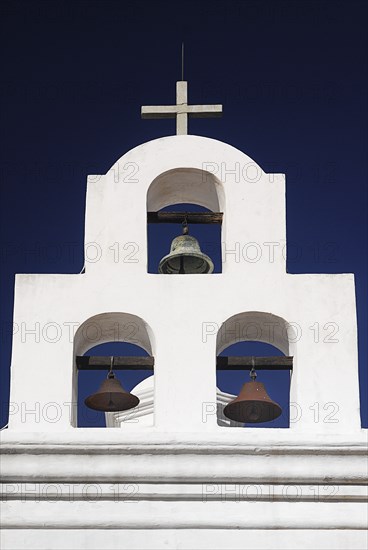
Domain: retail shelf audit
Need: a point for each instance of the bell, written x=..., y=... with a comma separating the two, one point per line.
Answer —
x=185, y=256
x=253, y=404
x=111, y=397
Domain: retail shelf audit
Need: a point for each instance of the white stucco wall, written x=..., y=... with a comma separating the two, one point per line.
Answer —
x=171, y=462
x=180, y=329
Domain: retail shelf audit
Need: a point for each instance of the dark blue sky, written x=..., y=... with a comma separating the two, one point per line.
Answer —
x=293, y=81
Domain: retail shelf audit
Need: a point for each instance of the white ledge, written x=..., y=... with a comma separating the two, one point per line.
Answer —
x=223, y=438
x=183, y=515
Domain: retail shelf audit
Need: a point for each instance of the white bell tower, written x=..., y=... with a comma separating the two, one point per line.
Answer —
x=177, y=477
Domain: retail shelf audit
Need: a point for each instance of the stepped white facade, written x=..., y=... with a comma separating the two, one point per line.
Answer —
x=177, y=477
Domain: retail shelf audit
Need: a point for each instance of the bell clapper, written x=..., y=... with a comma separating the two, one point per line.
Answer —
x=181, y=268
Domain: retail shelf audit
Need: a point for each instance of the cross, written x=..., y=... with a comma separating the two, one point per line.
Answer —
x=181, y=110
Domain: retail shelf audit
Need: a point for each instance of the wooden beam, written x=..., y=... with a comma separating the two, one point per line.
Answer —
x=147, y=363
x=261, y=363
x=86, y=362
x=179, y=217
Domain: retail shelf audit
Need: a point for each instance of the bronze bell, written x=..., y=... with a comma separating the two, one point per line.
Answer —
x=111, y=397
x=253, y=404
x=185, y=256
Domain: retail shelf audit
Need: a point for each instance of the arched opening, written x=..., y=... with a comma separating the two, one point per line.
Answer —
x=266, y=339
x=127, y=339
x=185, y=197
